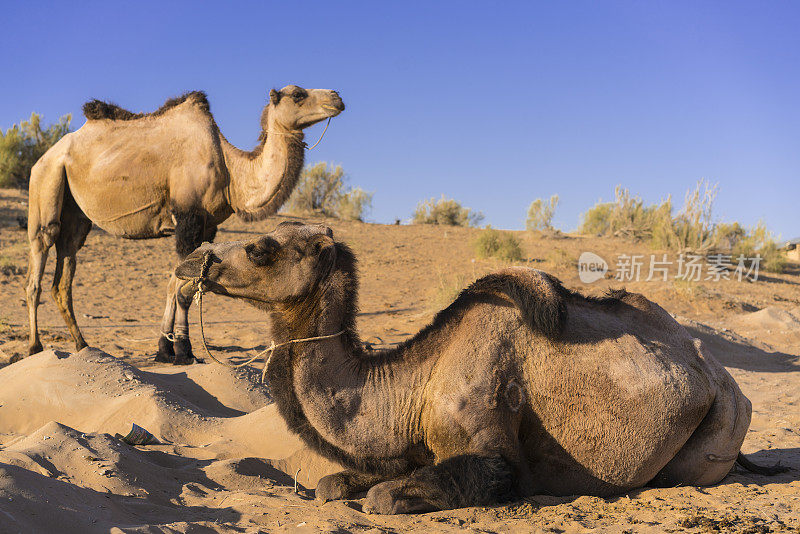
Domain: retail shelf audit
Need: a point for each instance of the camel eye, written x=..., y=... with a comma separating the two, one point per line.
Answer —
x=258, y=255
x=298, y=96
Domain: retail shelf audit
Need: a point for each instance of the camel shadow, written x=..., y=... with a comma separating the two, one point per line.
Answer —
x=731, y=352
x=775, y=280
x=789, y=457
x=183, y=386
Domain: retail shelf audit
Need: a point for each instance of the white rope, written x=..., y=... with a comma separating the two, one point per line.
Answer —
x=293, y=134
x=199, y=282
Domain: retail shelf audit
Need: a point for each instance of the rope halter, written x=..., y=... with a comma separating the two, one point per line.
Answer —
x=201, y=282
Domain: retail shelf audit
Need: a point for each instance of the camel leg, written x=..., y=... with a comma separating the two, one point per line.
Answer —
x=466, y=480
x=192, y=228
x=182, y=345
x=74, y=229
x=37, y=258
x=46, y=197
x=166, y=352
x=344, y=485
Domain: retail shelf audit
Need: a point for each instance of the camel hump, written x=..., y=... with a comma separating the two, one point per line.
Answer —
x=538, y=296
x=98, y=110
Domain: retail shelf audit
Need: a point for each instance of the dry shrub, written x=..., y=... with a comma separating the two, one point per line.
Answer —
x=322, y=191
x=627, y=216
x=445, y=211
x=354, y=204
x=23, y=144
x=691, y=230
x=491, y=243
x=540, y=214
x=759, y=241
x=729, y=234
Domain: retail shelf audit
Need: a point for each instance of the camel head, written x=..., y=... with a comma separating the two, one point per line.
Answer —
x=282, y=266
x=295, y=108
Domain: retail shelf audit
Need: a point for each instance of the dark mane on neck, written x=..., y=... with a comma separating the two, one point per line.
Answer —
x=341, y=292
x=97, y=109
x=345, y=296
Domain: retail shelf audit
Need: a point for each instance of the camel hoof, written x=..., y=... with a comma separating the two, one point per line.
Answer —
x=35, y=348
x=183, y=351
x=165, y=354
x=331, y=488
x=387, y=498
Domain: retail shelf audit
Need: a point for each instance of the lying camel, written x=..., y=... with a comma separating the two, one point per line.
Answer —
x=518, y=387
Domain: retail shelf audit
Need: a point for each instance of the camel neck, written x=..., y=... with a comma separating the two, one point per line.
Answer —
x=262, y=180
x=357, y=408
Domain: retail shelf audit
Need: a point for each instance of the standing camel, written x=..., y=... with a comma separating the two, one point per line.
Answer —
x=519, y=387
x=151, y=175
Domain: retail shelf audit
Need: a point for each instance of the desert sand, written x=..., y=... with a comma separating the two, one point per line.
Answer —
x=226, y=462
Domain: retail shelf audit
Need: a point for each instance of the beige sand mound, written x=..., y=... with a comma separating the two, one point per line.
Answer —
x=227, y=462
x=770, y=318
x=59, y=411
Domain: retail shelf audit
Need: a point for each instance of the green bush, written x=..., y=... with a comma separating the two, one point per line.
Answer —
x=23, y=144
x=322, y=191
x=540, y=214
x=492, y=243
x=446, y=212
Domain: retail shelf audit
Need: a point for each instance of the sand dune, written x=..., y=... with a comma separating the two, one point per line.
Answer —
x=226, y=462
x=219, y=435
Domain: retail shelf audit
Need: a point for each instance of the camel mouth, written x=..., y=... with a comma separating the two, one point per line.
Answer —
x=334, y=109
x=190, y=267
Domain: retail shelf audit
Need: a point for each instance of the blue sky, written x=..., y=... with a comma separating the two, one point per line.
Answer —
x=494, y=104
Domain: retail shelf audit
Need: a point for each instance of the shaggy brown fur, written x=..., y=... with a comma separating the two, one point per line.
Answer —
x=518, y=384
x=98, y=110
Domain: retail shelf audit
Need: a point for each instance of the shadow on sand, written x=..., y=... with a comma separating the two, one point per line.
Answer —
x=732, y=352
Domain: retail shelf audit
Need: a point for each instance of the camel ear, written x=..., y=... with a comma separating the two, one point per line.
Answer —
x=320, y=243
x=274, y=97
x=262, y=251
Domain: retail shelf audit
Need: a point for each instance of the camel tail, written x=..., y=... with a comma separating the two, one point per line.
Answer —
x=769, y=471
x=538, y=296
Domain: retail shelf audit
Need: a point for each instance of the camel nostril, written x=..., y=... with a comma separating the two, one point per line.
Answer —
x=336, y=101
